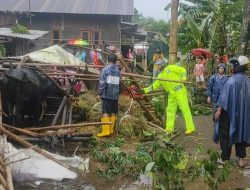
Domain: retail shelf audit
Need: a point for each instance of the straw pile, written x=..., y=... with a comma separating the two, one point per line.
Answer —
x=131, y=121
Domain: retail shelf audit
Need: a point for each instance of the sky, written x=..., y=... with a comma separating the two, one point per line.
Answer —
x=153, y=8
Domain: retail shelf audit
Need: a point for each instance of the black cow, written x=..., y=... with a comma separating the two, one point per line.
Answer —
x=24, y=92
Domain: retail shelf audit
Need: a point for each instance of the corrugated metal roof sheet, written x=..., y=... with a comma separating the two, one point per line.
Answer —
x=103, y=7
x=33, y=34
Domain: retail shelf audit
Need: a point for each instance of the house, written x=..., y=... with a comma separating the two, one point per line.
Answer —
x=96, y=21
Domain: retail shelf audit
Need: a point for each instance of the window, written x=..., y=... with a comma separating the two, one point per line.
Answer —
x=56, y=36
x=85, y=35
x=93, y=37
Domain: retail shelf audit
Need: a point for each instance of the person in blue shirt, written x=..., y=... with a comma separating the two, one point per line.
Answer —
x=108, y=91
x=81, y=54
x=215, y=86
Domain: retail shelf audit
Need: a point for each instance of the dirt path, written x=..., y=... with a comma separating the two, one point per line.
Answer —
x=239, y=178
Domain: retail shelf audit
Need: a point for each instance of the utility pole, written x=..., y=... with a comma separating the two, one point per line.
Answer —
x=30, y=13
x=173, y=32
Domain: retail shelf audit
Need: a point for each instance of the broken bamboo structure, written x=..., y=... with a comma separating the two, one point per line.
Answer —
x=122, y=73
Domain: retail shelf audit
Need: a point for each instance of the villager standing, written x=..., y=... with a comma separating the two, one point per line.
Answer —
x=158, y=60
x=177, y=95
x=130, y=55
x=232, y=115
x=108, y=91
x=199, y=72
x=215, y=86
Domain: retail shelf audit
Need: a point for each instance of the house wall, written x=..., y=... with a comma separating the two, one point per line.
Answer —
x=71, y=25
x=6, y=19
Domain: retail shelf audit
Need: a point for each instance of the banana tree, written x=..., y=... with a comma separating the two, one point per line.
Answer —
x=212, y=23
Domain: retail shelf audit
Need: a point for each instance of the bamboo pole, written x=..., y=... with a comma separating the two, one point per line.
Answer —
x=70, y=114
x=122, y=73
x=68, y=126
x=9, y=181
x=29, y=145
x=54, y=65
x=58, y=113
x=2, y=170
x=156, y=126
x=23, y=131
x=3, y=181
x=153, y=94
x=64, y=115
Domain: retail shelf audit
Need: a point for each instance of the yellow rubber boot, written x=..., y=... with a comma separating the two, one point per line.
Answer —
x=105, y=128
x=112, y=126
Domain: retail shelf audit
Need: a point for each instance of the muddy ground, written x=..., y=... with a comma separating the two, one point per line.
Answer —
x=203, y=138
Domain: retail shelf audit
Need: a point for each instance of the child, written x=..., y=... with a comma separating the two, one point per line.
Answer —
x=199, y=72
x=215, y=85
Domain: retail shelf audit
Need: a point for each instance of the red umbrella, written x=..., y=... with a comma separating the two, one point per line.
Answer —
x=201, y=51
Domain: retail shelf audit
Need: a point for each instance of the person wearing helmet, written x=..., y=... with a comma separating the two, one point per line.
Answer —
x=177, y=95
x=215, y=85
x=232, y=116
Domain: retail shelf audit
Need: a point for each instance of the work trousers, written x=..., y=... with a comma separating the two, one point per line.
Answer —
x=175, y=100
x=240, y=148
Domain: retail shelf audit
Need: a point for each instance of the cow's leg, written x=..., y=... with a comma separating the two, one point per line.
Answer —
x=44, y=107
x=10, y=112
x=18, y=116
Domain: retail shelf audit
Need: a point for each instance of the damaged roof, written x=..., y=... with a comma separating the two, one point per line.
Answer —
x=33, y=34
x=102, y=7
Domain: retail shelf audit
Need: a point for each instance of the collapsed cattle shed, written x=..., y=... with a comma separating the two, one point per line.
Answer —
x=60, y=127
x=58, y=66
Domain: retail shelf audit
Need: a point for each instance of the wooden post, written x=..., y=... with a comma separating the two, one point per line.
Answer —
x=173, y=32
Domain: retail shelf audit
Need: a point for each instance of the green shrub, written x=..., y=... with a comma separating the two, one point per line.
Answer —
x=19, y=29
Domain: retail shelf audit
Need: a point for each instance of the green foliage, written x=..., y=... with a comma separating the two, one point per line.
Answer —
x=150, y=23
x=158, y=104
x=20, y=29
x=209, y=170
x=221, y=28
x=2, y=51
x=121, y=163
x=166, y=163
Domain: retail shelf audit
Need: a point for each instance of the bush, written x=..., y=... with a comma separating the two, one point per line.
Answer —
x=2, y=51
x=20, y=29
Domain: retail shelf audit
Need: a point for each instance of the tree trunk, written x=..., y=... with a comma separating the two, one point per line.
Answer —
x=245, y=28
x=173, y=32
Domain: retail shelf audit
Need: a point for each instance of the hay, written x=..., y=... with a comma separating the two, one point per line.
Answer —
x=130, y=126
x=89, y=106
x=124, y=103
x=87, y=101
